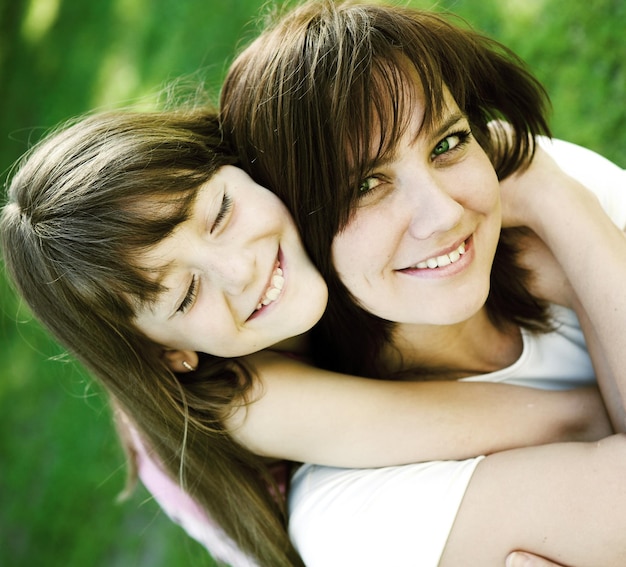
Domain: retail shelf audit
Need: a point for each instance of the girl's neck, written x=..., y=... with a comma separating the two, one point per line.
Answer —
x=295, y=345
x=475, y=346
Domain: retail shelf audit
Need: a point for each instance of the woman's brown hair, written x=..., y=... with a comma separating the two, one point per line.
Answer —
x=80, y=205
x=302, y=105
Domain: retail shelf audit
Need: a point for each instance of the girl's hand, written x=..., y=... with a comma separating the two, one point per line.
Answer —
x=523, y=559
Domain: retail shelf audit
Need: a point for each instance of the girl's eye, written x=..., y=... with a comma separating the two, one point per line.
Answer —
x=451, y=142
x=369, y=184
x=225, y=207
x=190, y=296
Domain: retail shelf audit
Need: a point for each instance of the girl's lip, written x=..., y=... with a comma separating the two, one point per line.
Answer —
x=277, y=270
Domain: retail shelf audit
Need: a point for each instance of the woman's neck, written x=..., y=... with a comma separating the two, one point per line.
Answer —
x=475, y=346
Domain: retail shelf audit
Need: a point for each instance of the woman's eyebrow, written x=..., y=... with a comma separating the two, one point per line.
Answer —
x=444, y=126
x=434, y=132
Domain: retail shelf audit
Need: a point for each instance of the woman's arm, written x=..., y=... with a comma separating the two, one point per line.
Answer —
x=590, y=251
x=565, y=502
x=305, y=414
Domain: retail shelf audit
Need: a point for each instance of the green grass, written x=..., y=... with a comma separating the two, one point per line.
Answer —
x=60, y=466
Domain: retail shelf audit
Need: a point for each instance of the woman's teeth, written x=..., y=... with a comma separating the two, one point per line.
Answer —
x=274, y=289
x=444, y=260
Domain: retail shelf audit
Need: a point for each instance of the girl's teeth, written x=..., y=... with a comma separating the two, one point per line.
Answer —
x=444, y=260
x=276, y=286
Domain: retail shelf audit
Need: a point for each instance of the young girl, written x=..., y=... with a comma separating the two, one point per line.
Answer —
x=375, y=124
x=134, y=239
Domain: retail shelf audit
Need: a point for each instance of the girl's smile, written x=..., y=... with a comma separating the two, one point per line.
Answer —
x=235, y=275
x=273, y=290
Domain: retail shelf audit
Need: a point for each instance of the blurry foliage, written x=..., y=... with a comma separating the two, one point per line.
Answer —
x=576, y=49
x=61, y=468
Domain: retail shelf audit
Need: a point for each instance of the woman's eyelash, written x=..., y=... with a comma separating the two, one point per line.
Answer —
x=443, y=146
x=368, y=184
x=225, y=207
x=190, y=296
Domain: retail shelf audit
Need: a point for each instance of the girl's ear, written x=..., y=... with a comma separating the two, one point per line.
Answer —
x=181, y=360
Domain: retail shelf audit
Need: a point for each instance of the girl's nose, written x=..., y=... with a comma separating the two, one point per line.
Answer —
x=234, y=270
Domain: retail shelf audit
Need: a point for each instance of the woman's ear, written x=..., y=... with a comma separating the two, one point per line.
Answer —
x=181, y=360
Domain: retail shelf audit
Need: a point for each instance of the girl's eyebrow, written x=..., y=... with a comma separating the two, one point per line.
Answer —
x=157, y=301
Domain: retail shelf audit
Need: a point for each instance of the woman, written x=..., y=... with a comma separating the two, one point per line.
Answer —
x=113, y=230
x=405, y=226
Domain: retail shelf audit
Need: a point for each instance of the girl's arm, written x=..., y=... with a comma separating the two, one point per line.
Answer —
x=182, y=509
x=524, y=559
x=305, y=414
x=590, y=253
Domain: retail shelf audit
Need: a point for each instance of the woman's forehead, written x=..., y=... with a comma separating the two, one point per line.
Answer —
x=403, y=106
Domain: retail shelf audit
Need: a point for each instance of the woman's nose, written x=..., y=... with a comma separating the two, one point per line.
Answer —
x=432, y=208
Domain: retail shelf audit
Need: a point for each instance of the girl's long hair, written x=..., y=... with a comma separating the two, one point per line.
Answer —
x=80, y=206
x=306, y=100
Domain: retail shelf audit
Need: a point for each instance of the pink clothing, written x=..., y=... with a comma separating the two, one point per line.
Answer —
x=183, y=510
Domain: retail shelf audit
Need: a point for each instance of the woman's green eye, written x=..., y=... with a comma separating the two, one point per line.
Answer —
x=442, y=147
x=451, y=143
x=368, y=184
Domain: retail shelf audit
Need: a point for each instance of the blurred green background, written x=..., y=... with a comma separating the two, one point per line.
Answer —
x=60, y=465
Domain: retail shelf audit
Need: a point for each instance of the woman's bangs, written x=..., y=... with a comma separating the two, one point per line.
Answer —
x=389, y=97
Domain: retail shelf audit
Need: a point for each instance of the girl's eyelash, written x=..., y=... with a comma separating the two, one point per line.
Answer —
x=225, y=207
x=190, y=296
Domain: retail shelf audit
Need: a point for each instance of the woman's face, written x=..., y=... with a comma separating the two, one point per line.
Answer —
x=238, y=279
x=420, y=245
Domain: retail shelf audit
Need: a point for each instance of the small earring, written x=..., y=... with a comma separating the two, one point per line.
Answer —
x=187, y=366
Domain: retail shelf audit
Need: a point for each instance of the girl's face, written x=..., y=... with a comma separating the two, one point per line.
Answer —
x=237, y=278
x=420, y=244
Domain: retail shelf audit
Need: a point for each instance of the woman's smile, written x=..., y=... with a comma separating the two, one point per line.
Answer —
x=444, y=259
x=419, y=247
